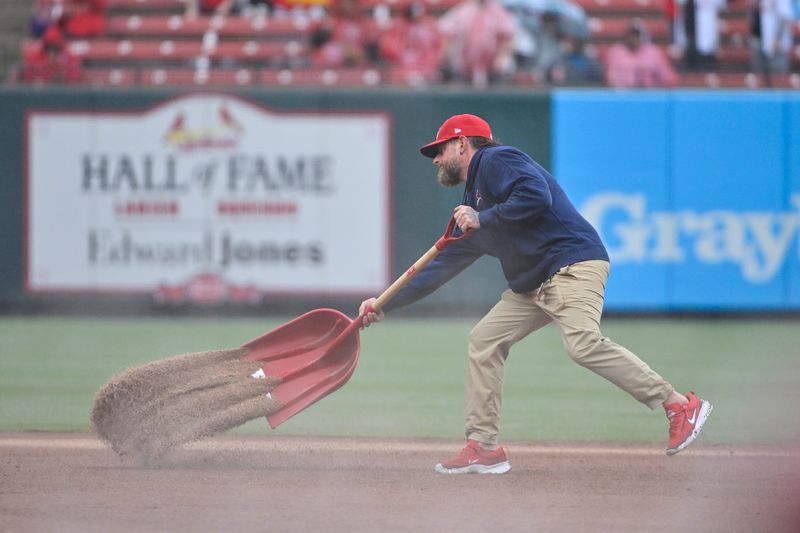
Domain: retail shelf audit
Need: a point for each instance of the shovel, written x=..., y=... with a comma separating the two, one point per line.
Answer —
x=316, y=353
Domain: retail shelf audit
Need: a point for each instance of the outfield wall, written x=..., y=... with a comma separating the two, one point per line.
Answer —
x=310, y=198
x=696, y=194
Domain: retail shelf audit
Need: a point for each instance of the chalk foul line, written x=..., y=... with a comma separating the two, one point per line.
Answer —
x=47, y=441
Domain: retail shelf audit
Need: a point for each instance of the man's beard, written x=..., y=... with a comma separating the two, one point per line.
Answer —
x=449, y=174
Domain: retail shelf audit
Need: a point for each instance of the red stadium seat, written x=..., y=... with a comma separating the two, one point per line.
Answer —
x=214, y=77
x=434, y=6
x=323, y=77
x=714, y=80
x=622, y=6
x=176, y=25
x=615, y=28
x=145, y=4
x=272, y=77
x=111, y=77
x=136, y=50
x=731, y=26
x=132, y=51
x=734, y=54
x=255, y=50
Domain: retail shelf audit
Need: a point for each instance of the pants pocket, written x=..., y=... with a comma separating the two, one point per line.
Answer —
x=582, y=284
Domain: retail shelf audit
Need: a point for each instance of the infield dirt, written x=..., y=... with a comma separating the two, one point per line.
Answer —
x=63, y=482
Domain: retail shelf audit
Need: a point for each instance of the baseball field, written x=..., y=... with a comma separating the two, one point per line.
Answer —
x=584, y=455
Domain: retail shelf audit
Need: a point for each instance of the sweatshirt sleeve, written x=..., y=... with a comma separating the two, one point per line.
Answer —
x=450, y=262
x=521, y=195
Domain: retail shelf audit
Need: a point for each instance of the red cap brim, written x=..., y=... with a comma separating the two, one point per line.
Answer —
x=431, y=149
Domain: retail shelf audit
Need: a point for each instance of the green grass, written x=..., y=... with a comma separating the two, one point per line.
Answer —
x=409, y=379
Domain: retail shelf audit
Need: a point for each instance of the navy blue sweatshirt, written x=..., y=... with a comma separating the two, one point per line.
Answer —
x=527, y=222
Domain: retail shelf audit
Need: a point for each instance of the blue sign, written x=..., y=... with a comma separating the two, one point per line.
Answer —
x=695, y=194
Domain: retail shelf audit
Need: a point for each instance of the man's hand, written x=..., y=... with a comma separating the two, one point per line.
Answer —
x=372, y=317
x=466, y=218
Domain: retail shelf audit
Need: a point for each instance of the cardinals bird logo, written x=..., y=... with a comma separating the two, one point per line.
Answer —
x=224, y=133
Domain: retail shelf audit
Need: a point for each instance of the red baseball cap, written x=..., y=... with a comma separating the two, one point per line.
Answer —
x=53, y=36
x=457, y=126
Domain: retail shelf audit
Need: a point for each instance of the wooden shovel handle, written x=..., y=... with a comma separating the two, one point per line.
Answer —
x=418, y=265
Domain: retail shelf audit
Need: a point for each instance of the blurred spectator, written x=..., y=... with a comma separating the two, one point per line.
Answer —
x=413, y=44
x=575, y=67
x=223, y=8
x=252, y=8
x=84, y=18
x=670, y=10
x=560, y=58
x=696, y=32
x=572, y=21
x=549, y=52
x=477, y=42
x=636, y=62
x=345, y=38
x=314, y=9
x=44, y=14
x=51, y=61
x=770, y=35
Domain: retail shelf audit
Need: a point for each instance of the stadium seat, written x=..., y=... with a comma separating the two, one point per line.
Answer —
x=323, y=77
x=731, y=26
x=730, y=57
x=267, y=77
x=136, y=50
x=615, y=28
x=130, y=52
x=214, y=77
x=134, y=26
x=435, y=7
x=738, y=80
x=630, y=7
x=111, y=77
x=258, y=51
x=177, y=5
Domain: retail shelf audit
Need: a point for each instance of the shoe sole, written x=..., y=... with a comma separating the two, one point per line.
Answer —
x=499, y=468
x=702, y=416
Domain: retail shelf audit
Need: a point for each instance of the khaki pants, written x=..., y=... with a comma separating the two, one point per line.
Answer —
x=573, y=299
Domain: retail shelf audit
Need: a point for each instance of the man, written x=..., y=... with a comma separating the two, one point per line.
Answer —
x=697, y=32
x=636, y=62
x=771, y=36
x=51, y=61
x=477, y=42
x=556, y=268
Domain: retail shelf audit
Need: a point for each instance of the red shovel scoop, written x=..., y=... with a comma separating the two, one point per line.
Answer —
x=316, y=353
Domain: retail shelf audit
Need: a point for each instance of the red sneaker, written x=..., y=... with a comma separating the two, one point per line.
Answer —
x=474, y=459
x=685, y=422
